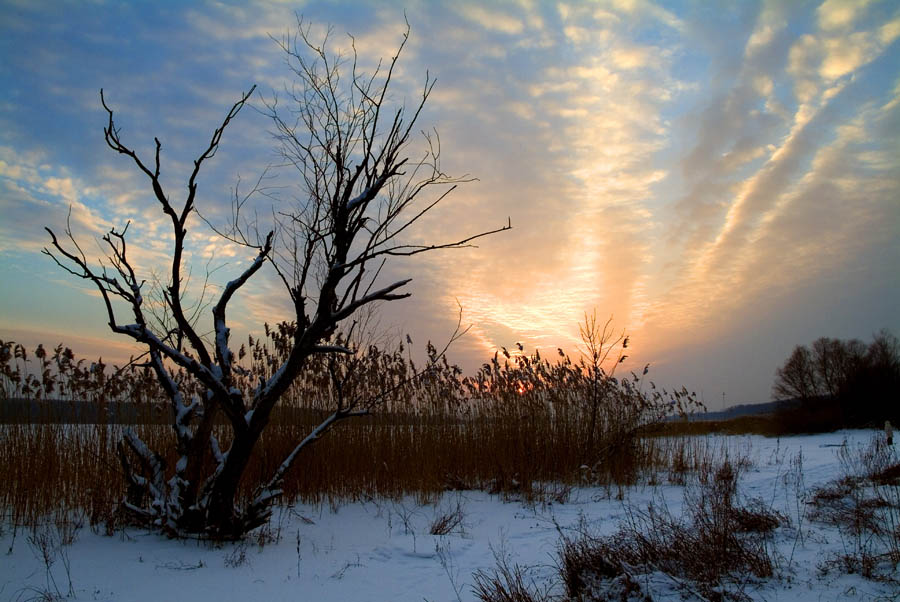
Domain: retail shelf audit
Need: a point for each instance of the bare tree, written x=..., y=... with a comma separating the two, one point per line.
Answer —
x=797, y=378
x=834, y=361
x=855, y=382
x=360, y=195
x=598, y=342
x=818, y=371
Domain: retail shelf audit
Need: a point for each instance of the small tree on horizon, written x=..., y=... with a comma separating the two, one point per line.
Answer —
x=360, y=196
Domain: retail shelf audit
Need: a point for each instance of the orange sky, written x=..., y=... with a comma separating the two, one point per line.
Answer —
x=722, y=180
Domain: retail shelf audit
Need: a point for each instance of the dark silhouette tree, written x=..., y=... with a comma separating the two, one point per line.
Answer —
x=797, y=377
x=868, y=393
x=360, y=196
x=853, y=383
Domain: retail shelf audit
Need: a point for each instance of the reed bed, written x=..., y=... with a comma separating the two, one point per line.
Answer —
x=522, y=422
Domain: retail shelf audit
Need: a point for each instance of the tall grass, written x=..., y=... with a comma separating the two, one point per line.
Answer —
x=519, y=423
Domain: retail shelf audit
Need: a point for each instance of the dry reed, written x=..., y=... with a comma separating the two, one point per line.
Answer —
x=516, y=425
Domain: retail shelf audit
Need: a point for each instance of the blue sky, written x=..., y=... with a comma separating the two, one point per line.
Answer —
x=723, y=178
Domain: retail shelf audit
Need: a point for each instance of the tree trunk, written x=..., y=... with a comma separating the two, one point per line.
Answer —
x=222, y=516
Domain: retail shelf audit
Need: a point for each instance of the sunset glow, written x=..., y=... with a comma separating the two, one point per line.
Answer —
x=723, y=179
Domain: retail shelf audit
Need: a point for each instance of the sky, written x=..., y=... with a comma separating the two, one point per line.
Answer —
x=720, y=179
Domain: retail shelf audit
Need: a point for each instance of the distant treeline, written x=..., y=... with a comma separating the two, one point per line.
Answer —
x=747, y=409
x=61, y=411
x=841, y=383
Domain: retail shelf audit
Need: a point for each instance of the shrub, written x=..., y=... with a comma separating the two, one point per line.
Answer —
x=864, y=503
x=716, y=542
x=507, y=582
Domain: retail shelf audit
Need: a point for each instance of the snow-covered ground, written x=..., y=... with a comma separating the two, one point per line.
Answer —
x=382, y=550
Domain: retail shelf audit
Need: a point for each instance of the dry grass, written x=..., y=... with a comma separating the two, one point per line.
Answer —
x=711, y=549
x=55, y=467
x=507, y=582
x=864, y=503
x=448, y=520
x=519, y=427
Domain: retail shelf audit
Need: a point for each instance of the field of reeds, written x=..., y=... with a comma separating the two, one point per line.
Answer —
x=521, y=426
x=524, y=428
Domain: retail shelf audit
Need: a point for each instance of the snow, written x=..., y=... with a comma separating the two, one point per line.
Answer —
x=359, y=198
x=381, y=550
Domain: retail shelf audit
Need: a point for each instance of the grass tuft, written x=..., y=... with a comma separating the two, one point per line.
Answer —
x=716, y=543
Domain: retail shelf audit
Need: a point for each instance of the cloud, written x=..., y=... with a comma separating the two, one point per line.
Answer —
x=35, y=195
x=839, y=176
x=591, y=250
x=815, y=208
x=61, y=187
x=780, y=196
x=816, y=61
x=492, y=19
x=229, y=22
x=845, y=54
x=685, y=170
x=644, y=8
x=838, y=14
x=632, y=58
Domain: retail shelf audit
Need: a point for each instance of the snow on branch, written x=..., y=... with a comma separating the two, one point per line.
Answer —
x=273, y=487
x=223, y=354
x=384, y=294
